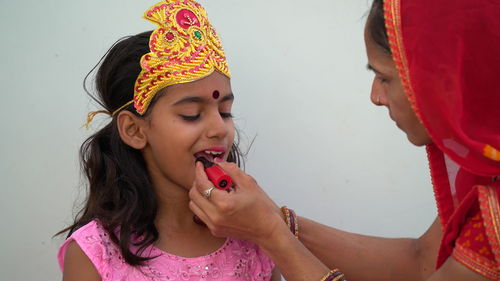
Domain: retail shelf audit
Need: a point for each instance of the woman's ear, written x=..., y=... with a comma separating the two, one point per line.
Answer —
x=130, y=128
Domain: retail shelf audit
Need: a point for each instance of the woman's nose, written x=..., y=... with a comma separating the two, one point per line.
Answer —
x=376, y=94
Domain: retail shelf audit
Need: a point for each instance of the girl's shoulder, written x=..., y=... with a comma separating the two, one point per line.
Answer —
x=96, y=244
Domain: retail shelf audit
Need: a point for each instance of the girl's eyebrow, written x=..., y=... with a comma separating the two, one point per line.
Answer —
x=197, y=99
x=228, y=97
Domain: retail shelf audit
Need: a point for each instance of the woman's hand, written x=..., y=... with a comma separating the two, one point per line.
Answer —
x=248, y=213
x=245, y=213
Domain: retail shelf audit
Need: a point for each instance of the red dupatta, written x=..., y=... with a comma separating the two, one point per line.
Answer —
x=448, y=57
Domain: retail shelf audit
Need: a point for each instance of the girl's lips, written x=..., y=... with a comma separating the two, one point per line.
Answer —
x=209, y=157
x=211, y=153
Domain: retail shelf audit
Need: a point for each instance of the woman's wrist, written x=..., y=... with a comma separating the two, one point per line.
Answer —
x=283, y=223
x=293, y=260
x=278, y=232
x=291, y=220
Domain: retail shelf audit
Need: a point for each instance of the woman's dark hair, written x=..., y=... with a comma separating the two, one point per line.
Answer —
x=376, y=25
x=120, y=194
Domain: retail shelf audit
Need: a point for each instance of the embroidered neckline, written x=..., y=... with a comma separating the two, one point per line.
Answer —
x=155, y=251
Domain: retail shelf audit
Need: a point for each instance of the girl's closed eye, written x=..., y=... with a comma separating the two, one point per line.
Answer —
x=190, y=112
x=225, y=108
x=190, y=118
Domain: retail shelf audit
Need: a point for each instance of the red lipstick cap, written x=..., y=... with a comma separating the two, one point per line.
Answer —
x=216, y=175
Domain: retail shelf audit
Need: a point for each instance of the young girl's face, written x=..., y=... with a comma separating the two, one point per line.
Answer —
x=188, y=120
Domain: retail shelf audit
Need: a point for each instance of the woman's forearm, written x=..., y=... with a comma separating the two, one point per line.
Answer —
x=293, y=259
x=363, y=257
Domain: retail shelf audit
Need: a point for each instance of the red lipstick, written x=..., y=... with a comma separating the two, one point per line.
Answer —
x=216, y=175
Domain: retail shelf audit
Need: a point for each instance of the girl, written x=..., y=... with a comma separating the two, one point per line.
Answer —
x=169, y=95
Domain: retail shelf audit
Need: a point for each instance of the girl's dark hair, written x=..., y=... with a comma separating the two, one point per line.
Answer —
x=376, y=25
x=120, y=194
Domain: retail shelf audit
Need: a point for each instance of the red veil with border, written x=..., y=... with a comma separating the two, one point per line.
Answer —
x=448, y=57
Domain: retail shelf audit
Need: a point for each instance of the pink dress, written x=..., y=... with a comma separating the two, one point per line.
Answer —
x=235, y=260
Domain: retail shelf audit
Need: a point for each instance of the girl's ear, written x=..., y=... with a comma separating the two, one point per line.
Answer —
x=130, y=128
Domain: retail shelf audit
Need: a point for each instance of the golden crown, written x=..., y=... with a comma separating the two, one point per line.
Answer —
x=184, y=48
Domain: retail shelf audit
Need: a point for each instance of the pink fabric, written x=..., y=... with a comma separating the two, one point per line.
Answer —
x=235, y=260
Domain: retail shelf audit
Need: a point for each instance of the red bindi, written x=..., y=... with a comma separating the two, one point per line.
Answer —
x=216, y=94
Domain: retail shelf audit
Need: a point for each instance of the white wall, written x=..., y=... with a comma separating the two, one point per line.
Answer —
x=302, y=90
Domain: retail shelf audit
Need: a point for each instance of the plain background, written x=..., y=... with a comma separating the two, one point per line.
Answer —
x=302, y=96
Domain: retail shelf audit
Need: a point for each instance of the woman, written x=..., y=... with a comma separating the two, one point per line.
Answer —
x=436, y=65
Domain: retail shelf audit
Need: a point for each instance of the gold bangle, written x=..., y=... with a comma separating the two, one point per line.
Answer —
x=328, y=274
x=339, y=278
x=333, y=275
x=291, y=220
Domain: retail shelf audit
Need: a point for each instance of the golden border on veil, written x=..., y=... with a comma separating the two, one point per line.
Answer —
x=392, y=15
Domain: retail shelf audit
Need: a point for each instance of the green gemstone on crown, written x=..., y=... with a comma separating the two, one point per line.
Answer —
x=197, y=34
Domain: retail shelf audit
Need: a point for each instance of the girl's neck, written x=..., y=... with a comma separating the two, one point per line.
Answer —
x=173, y=208
x=172, y=201
x=178, y=233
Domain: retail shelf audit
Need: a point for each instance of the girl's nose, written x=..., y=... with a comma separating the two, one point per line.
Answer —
x=217, y=126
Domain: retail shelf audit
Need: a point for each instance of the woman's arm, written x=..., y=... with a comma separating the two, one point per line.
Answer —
x=248, y=213
x=77, y=266
x=364, y=257
x=293, y=260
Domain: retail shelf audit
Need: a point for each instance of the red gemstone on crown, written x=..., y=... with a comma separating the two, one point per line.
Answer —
x=187, y=18
x=169, y=36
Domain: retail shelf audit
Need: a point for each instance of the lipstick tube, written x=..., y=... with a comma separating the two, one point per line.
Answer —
x=216, y=175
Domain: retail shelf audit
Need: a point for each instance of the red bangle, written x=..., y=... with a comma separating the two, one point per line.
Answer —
x=291, y=220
